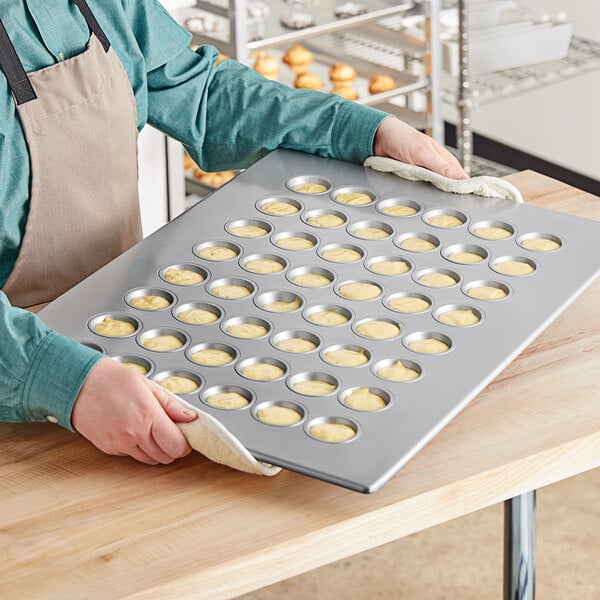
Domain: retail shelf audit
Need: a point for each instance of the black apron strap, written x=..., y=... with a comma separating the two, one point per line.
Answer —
x=92, y=23
x=13, y=70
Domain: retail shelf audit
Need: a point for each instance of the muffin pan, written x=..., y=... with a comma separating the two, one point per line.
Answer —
x=422, y=390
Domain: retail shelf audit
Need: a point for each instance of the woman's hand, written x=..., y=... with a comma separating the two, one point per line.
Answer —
x=123, y=414
x=396, y=139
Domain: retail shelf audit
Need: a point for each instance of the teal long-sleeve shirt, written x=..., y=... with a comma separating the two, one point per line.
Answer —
x=226, y=115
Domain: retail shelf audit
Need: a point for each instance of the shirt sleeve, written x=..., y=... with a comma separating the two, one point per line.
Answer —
x=227, y=116
x=41, y=371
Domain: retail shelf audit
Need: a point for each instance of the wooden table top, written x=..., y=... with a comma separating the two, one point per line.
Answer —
x=76, y=523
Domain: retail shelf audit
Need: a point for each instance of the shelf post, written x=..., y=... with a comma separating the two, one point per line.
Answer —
x=464, y=133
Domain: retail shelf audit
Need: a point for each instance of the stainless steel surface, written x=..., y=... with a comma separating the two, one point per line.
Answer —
x=420, y=408
x=519, y=547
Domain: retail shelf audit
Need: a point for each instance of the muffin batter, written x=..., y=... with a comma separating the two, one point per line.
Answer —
x=263, y=266
x=397, y=372
x=263, y=372
x=399, y=210
x=296, y=345
x=183, y=276
x=279, y=415
x=310, y=188
x=314, y=387
x=540, y=244
x=328, y=318
x=437, y=280
x=417, y=245
x=326, y=220
x=217, y=253
x=281, y=306
x=445, y=221
x=342, y=255
x=514, y=267
x=408, y=304
x=344, y=357
x=294, y=243
x=248, y=231
x=136, y=367
x=114, y=327
x=197, y=316
x=162, y=343
x=390, y=267
x=311, y=280
x=492, y=233
x=371, y=233
x=364, y=399
x=227, y=400
x=459, y=317
x=465, y=257
x=279, y=208
x=149, y=302
x=178, y=384
x=332, y=432
x=247, y=330
x=212, y=357
x=354, y=198
x=360, y=291
x=378, y=330
x=486, y=292
x=428, y=346
x=231, y=291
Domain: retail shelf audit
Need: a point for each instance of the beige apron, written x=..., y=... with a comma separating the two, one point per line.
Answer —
x=80, y=124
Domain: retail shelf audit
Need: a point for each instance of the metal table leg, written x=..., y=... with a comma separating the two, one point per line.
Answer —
x=519, y=547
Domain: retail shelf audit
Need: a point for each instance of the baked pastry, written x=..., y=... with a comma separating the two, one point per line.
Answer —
x=221, y=58
x=188, y=162
x=345, y=91
x=308, y=81
x=267, y=66
x=349, y=9
x=298, y=58
x=342, y=74
x=297, y=20
x=216, y=179
x=382, y=83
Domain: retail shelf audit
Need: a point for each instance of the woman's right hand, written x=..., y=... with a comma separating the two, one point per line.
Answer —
x=123, y=414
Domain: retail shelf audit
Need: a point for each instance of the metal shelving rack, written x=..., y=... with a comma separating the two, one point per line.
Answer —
x=366, y=41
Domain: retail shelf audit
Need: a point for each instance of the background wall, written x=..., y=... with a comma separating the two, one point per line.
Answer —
x=559, y=122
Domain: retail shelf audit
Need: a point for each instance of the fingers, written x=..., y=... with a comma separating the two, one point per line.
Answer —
x=176, y=410
x=142, y=456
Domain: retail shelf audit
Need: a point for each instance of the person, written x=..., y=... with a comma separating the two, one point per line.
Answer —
x=78, y=80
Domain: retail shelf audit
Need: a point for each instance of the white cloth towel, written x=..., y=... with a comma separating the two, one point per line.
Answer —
x=488, y=187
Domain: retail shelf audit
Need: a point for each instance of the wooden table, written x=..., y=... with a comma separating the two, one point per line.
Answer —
x=76, y=523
